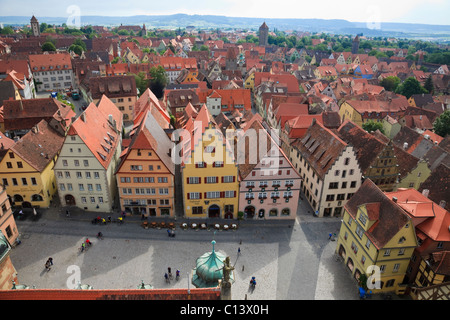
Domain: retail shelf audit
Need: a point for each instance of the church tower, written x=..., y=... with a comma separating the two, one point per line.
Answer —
x=264, y=35
x=355, y=45
x=35, y=27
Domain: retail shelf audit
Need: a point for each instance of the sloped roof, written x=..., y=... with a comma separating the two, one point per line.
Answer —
x=97, y=133
x=320, y=147
x=367, y=146
x=438, y=184
x=39, y=146
x=419, y=206
x=391, y=218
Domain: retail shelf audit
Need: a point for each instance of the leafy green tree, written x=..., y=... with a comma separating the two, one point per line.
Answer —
x=48, y=46
x=76, y=48
x=79, y=42
x=6, y=30
x=371, y=125
x=390, y=83
x=429, y=85
x=158, y=81
x=141, y=82
x=409, y=87
x=442, y=124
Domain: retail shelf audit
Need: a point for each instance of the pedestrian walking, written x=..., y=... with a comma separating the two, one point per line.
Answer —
x=329, y=236
x=67, y=213
x=50, y=260
x=239, y=251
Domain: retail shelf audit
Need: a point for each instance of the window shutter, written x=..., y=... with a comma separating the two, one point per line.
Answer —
x=222, y=194
x=187, y=180
x=279, y=172
x=196, y=165
x=188, y=195
x=206, y=179
x=234, y=194
x=222, y=179
x=234, y=178
x=217, y=179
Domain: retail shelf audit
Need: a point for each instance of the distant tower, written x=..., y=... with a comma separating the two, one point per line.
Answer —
x=264, y=35
x=355, y=45
x=144, y=31
x=35, y=26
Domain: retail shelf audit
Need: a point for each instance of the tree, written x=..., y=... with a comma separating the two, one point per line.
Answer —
x=409, y=87
x=390, y=83
x=48, y=46
x=371, y=125
x=76, y=48
x=158, y=81
x=141, y=82
x=429, y=85
x=442, y=124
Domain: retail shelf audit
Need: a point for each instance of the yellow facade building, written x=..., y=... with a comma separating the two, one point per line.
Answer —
x=377, y=239
x=27, y=169
x=209, y=171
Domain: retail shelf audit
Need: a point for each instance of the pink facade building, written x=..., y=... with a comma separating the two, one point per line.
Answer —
x=269, y=185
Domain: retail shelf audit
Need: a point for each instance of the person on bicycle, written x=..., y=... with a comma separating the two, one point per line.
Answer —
x=88, y=242
x=177, y=274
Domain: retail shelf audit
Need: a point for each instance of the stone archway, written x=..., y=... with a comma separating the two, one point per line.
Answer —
x=70, y=200
x=214, y=211
x=249, y=212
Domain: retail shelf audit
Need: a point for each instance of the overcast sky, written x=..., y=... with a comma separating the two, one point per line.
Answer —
x=412, y=11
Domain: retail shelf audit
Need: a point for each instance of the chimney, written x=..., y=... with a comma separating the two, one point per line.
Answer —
x=425, y=192
x=405, y=145
x=394, y=199
x=83, y=117
x=442, y=204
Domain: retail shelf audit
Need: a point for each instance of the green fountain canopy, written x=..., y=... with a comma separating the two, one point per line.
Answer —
x=209, y=269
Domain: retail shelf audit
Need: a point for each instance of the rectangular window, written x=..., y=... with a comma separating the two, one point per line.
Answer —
x=333, y=185
x=197, y=210
x=83, y=199
x=194, y=195
x=81, y=187
x=100, y=199
x=96, y=175
x=212, y=195
x=24, y=181
x=211, y=180
x=98, y=187
x=88, y=175
x=162, y=179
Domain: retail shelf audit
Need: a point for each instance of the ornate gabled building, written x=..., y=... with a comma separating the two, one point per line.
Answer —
x=376, y=157
x=329, y=169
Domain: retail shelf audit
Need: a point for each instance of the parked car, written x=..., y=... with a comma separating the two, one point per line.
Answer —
x=75, y=96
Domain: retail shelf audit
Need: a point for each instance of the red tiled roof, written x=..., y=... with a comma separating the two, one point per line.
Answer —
x=94, y=128
x=111, y=294
x=50, y=62
x=39, y=146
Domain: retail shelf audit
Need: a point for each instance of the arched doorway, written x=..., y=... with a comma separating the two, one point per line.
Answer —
x=350, y=264
x=214, y=211
x=17, y=198
x=26, y=205
x=249, y=212
x=70, y=200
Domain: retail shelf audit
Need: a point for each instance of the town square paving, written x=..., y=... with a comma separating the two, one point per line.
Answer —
x=291, y=261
